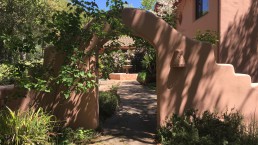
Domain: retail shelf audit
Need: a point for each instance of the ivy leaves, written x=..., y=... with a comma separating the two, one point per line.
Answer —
x=75, y=79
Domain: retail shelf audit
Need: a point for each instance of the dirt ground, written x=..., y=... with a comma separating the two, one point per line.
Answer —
x=135, y=121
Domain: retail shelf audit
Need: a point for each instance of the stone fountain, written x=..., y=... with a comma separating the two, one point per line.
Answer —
x=127, y=66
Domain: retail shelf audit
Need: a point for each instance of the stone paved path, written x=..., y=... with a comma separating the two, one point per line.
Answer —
x=135, y=122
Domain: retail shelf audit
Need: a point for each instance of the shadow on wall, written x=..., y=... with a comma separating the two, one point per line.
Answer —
x=80, y=110
x=178, y=88
x=73, y=112
x=240, y=43
x=192, y=86
x=202, y=83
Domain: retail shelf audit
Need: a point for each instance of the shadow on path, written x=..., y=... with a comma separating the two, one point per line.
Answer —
x=135, y=122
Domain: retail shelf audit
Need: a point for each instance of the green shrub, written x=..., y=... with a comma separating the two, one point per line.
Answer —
x=29, y=127
x=5, y=74
x=210, y=129
x=74, y=137
x=142, y=77
x=151, y=86
x=149, y=61
x=26, y=75
x=207, y=36
x=108, y=103
x=146, y=78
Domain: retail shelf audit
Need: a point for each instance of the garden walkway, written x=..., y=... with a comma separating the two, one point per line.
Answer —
x=135, y=122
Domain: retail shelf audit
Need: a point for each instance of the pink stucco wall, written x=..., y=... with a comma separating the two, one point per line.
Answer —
x=237, y=23
x=202, y=83
x=239, y=35
x=188, y=24
x=80, y=110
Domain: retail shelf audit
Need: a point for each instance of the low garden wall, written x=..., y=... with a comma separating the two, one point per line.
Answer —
x=123, y=76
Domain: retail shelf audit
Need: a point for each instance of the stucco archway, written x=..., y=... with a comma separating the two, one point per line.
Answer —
x=201, y=83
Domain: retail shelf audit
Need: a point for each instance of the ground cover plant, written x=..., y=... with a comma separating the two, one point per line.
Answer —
x=69, y=136
x=208, y=129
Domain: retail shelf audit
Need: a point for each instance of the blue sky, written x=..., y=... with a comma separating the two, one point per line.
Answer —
x=134, y=3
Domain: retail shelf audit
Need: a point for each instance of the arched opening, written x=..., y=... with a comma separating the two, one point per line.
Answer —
x=161, y=35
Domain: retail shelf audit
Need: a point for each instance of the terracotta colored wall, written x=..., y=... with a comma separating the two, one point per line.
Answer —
x=202, y=83
x=78, y=111
x=188, y=25
x=239, y=35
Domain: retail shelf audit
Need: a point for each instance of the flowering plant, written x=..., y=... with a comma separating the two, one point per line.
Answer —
x=166, y=7
x=129, y=54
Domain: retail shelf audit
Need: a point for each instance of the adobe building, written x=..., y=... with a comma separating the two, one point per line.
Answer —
x=236, y=22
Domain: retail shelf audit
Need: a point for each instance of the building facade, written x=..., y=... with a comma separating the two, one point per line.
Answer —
x=236, y=22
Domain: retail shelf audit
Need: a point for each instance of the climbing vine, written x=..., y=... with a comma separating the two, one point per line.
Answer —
x=77, y=33
x=70, y=36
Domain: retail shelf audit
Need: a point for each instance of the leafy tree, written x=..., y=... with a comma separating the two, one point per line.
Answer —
x=148, y=4
x=21, y=27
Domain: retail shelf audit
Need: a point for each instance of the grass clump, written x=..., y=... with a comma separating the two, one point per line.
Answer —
x=36, y=127
x=207, y=129
x=28, y=127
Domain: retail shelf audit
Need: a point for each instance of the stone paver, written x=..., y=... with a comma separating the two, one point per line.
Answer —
x=135, y=122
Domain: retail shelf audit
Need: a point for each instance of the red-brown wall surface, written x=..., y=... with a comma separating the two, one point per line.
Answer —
x=239, y=35
x=202, y=83
x=189, y=25
x=80, y=110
